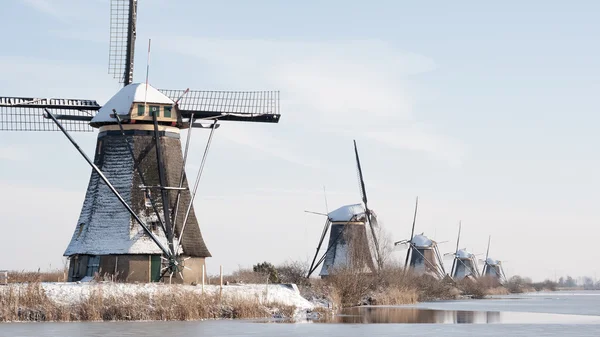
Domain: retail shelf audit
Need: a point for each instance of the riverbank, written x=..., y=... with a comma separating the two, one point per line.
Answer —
x=108, y=301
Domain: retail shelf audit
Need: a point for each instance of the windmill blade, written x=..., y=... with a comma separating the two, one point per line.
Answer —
x=123, y=15
x=412, y=233
x=456, y=250
x=241, y=106
x=361, y=181
x=370, y=218
x=401, y=246
x=458, y=237
x=487, y=254
x=27, y=114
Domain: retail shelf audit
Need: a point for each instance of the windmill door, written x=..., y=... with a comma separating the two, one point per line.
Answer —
x=155, y=264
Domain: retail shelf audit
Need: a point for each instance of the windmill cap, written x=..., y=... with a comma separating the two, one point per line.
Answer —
x=122, y=101
x=421, y=240
x=463, y=254
x=491, y=261
x=346, y=213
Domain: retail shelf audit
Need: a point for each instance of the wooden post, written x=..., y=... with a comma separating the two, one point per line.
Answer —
x=203, y=279
x=221, y=276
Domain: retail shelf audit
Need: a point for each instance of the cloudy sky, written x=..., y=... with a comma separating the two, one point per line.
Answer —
x=487, y=112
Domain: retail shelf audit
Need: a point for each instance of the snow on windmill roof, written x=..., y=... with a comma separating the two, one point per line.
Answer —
x=463, y=254
x=421, y=240
x=491, y=261
x=346, y=213
x=122, y=101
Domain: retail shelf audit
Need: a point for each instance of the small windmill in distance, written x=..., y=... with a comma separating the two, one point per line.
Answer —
x=423, y=255
x=464, y=264
x=351, y=243
x=493, y=268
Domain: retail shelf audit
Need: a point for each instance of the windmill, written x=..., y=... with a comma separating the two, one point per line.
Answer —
x=423, y=255
x=353, y=240
x=464, y=264
x=137, y=221
x=493, y=268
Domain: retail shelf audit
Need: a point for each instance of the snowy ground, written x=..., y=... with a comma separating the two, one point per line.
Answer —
x=286, y=294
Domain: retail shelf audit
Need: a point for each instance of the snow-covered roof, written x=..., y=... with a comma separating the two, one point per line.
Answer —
x=492, y=262
x=463, y=254
x=421, y=240
x=122, y=101
x=346, y=213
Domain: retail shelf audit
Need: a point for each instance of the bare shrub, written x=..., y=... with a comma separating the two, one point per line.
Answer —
x=472, y=287
x=431, y=288
x=546, y=285
x=293, y=272
x=350, y=285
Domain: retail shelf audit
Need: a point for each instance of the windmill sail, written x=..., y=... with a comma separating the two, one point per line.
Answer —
x=246, y=106
x=371, y=217
x=27, y=114
x=123, y=17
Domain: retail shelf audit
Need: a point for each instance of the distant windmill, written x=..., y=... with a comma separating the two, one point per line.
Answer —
x=423, y=255
x=464, y=263
x=353, y=240
x=493, y=268
x=137, y=221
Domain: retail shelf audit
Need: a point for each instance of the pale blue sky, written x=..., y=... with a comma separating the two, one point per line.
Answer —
x=488, y=112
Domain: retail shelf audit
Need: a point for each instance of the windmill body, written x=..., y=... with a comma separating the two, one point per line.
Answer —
x=465, y=265
x=493, y=269
x=107, y=238
x=137, y=222
x=350, y=244
x=424, y=256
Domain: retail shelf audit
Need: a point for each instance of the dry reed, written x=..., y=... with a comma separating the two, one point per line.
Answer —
x=28, y=302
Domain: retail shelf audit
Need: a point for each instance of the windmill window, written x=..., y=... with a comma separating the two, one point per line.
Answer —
x=155, y=109
x=141, y=109
x=93, y=265
x=167, y=111
x=147, y=200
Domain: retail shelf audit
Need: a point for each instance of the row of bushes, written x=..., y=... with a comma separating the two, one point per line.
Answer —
x=391, y=285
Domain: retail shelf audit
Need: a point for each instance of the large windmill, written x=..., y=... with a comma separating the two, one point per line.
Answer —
x=493, y=268
x=353, y=236
x=137, y=221
x=464, y=264
x=423, y=255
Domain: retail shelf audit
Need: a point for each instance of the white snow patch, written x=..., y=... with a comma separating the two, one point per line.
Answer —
x=421, y=241
x=492, y=262
x=346, y=213
x=463, y=254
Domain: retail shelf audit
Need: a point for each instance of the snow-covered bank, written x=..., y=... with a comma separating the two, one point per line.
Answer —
x=71, y=293
x=92, y=301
